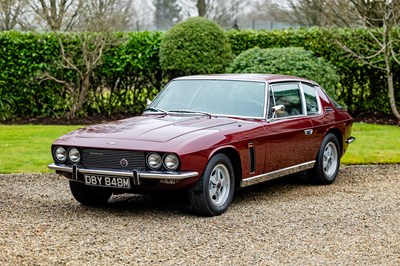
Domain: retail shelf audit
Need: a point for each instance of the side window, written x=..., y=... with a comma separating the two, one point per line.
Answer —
x=310, y=96
x=288, y=95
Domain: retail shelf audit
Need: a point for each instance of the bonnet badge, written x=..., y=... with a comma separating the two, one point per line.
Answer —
x=123, y=163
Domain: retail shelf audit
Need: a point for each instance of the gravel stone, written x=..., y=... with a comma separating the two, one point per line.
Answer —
x=354, y=221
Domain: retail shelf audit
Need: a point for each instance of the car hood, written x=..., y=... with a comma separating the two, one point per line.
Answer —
x=153, y=128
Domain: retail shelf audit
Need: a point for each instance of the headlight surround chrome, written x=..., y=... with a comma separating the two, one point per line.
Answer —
x=60, y=154
x=74, y=155
x=154, y=161
x=171, y=161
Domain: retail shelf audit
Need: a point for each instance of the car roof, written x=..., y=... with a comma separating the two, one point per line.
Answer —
x=250, y=77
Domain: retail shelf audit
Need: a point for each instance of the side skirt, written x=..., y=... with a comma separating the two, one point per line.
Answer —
x=275, y=174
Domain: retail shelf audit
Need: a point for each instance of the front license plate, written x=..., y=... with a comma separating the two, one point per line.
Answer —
x=108, y=181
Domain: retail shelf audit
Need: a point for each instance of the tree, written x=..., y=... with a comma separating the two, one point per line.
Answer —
x=106, y=15
x=58, y=14
x=80, y=54
x=387, y=14
x=223, y=12
x=368, y=11
x=322, y=13
x=167, y=13
x=11, y=12
x=269, y=10
x=328, y=13
x=143, y=15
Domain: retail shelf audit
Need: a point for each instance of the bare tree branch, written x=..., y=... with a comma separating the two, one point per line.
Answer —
x=57, y=14
x=82, y=59
x=383, y=18
x=11, y=12
x=47, y=76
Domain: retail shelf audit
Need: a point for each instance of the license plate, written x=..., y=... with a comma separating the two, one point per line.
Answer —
x=108, y=181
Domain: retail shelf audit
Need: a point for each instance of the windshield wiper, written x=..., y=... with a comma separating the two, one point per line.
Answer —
x=156, y=109
x=191, y=112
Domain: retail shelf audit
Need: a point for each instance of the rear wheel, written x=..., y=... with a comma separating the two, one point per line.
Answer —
x=213, y=193
x=87, y=195
x=328, y=161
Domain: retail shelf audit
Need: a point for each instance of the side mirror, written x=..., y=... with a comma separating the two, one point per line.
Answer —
x=148, y=101
x=277, y=110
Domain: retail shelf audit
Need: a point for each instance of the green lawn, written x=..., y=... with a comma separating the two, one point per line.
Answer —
x=26, y=148
x=375, y=144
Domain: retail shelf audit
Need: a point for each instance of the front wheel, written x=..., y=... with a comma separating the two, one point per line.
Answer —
x=213, y=193
x=328, y=161
x=87, y=195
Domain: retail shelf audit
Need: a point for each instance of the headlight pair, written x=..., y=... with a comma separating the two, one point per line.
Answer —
x=61, y=155
x=155, y=161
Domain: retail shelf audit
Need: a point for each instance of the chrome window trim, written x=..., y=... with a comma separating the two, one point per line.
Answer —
x=316, y=96
x=266, y=84
x=272, y=119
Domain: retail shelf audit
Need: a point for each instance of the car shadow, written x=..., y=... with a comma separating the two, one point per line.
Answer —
x=273, y=188
x=177, y=203
x=135, y=204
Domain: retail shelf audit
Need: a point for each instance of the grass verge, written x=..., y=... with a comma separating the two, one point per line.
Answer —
x=375, y=144
x=26, y=148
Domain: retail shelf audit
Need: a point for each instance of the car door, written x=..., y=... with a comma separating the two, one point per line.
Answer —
x=314, y=112
x=289, y=131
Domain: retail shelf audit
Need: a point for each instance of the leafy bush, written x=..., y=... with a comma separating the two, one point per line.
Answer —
x=195, y=46
x=292, y=61
x=23, y=56
x=363, y=88
x=5, y=109
x=129, y=73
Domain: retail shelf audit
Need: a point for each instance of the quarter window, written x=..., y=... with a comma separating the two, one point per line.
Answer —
x=288, y=95
x=310, y=96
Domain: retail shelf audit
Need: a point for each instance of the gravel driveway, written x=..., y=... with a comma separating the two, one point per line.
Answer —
x=354, y=221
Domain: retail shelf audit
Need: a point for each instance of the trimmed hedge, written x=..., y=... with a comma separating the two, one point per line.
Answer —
x=129, y=73
x=130, y=70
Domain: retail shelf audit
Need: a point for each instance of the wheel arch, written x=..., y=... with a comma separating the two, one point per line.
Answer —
x=336, y=131
x=234, y=157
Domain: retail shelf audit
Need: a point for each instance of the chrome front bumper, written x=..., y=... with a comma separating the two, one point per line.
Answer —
x=137, y=175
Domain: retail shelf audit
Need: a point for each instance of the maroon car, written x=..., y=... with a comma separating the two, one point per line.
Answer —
x=209, y=135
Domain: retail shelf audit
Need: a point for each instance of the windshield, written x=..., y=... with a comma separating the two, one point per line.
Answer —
x=222, y=97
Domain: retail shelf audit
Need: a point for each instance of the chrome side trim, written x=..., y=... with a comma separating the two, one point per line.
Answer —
x=144, y=175
x=275, y=174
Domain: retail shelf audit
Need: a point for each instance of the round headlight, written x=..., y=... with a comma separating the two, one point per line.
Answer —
x=171, y=161
x=154, y=160
x=74, y=155
x=60, y=154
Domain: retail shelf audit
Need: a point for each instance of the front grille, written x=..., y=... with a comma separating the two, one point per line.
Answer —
x=111, y=159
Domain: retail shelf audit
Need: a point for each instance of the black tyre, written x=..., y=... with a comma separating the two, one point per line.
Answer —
x=213, y=193
x=328, y=161
x=87, y=195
